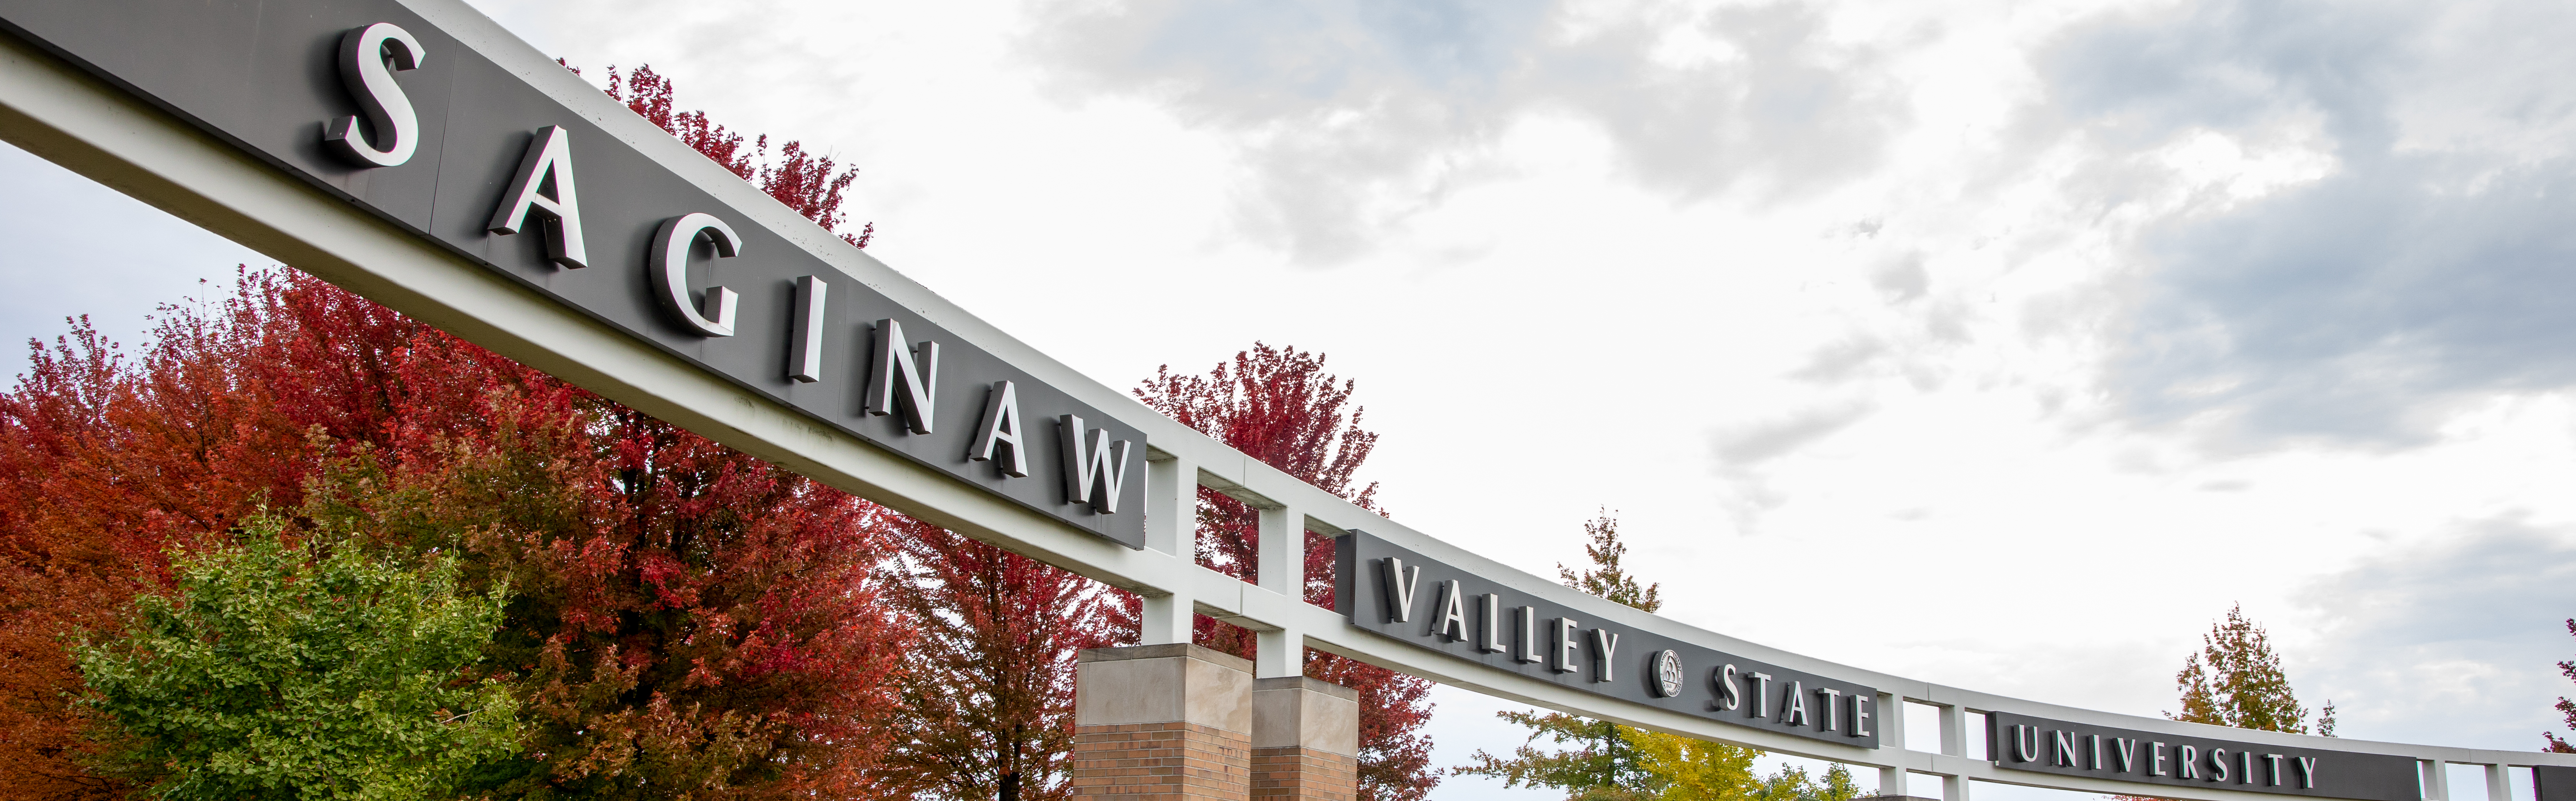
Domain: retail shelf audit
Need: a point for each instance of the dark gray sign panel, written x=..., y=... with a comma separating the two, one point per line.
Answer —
x=1401, y=594
x=276, y=77
x=2021, y=742
x=2553, y=782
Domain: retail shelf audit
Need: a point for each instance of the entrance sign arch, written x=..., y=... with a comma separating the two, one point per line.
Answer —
x=675, y=287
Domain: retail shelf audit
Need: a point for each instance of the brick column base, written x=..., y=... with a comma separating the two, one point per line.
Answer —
x=1305, y=738
x=1172, y=760
x=1162, y=723
x=1304, y=774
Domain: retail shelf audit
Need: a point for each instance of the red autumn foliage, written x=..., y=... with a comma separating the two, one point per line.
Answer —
x=688, y=613
x=810, y=183
x=107, y=463
x=2566, y=707
x=1279, y=405
x=685, y=619
x=988, y=693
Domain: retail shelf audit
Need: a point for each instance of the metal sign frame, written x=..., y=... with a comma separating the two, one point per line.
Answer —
x=92, y=125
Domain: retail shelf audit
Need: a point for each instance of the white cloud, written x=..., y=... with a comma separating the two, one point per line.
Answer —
x=2053, y=330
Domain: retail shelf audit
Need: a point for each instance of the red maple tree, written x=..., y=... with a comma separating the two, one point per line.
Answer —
x=1278, y=405
x=810, y=183
x=988, y=691
x=687, y=620
x=2566, y=707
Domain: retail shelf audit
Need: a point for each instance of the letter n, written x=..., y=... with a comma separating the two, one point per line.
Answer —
x=1092, y=474
x=545, y=169
x=903, y=381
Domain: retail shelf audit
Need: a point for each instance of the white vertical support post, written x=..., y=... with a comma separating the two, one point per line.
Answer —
x=2437, y=779
x=1889, y=719
x=2499, y=782
x=1283, y=552
x=1171, y=528
x=1954, y=730
x=1281, y=568
x=1954, y=742
x=1278, y=653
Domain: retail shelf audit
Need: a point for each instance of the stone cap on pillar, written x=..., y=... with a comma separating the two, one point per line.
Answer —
x=1163, y=684
x=1306, y=713
x=1307, y=684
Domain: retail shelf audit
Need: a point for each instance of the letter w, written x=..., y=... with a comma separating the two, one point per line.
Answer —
x=919, y=379
x=1092, y=474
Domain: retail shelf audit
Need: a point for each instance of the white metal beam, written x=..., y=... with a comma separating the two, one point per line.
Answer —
x=67, y=117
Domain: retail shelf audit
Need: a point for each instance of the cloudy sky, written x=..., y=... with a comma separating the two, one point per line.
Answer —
x=2000, y=344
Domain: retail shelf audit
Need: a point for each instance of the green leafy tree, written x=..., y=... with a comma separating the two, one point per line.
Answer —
x=1595, y=760
x=277, y=669
x=1696, y=770
x=1792, y=784
x=2236, y=680
x=1598, y=760
x=1693, y=770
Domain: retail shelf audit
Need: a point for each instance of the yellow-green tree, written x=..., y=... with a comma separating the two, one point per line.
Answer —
x=1693, y=770
x=1603, y=761
x=279, y=670
x=2236, y=680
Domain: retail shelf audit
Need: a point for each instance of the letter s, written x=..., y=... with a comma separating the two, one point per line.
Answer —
x=363, y=53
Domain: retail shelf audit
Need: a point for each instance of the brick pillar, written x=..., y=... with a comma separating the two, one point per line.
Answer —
x=1305, y=740
x=1162, y=723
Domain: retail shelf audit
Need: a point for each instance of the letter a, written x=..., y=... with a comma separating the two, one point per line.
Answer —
x=1093, y=474
x=1452, y=624
x=1794, y=712
x=1002, y=428
x=547, y=165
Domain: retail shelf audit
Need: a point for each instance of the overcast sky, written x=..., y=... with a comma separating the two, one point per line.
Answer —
x=2000, y=344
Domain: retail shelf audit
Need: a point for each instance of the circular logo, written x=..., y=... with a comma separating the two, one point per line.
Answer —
x=1668, y=674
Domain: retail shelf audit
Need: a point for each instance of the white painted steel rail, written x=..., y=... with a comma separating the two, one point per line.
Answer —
x=72, y=119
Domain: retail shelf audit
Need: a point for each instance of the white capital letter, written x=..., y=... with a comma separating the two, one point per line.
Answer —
x=1452, y=624
x=1399, y=589
x=1565, y=645
x=547, y=163
x=1606, y=643
x=670, y=265
x=805, y=352
x=1002, y=428
x=919, y=380
x=1493, y=643
x=1093, y=474
x=364, y=54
